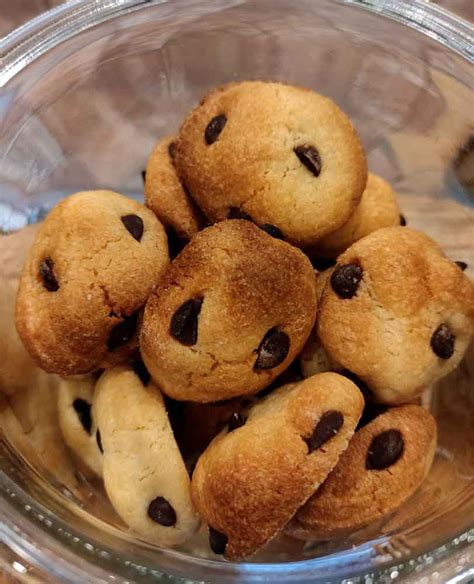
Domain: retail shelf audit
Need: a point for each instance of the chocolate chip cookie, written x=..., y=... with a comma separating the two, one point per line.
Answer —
x=386, y=461
x=168, y=197
x=396, y=313
x=95, y=260
x=144, y=474
x=254, y=476
x=232, y=312
x=284, y=156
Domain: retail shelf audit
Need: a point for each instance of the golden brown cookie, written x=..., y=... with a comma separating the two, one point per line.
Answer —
x=254, y=476
x=232, y=312
x=168, y=198
x=386, y=461
x=396, y=313
x=378, y=208
x=95, y=260
x=285, y=156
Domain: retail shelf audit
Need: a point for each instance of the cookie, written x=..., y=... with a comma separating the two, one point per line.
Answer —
x=284, y=156
x=378, y=208
x=232, y=312
x=168, y=197
x=77, y=420
x=255, y=475
x=95, y=260
x=396, y=313
x=144, y=474
x=385, y=463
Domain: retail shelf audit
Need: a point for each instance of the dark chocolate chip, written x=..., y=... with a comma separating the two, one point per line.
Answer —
x=99, y=441
x=236, y=421
x=175, y=243
x=384, y=450
x=162, y=512
x=134, y=225
x=322, y=264
x=83, y=411
x=214, y=128
x=272, y=350
x=236, y=213
x=46, y=272
x=272, y=230
x=140, y=370
x=217, y=541
x=345, y=280
x=328, y=426
x=144, y=176
x=462, y=265
x=403, y=221
x=123, y=332
x=442, y=342
x=309, y=156
x=172, y=150
x=184, y=322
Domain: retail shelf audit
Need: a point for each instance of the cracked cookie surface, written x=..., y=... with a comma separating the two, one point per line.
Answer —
x=283, y=155
x=95, y=260
x=232, y=312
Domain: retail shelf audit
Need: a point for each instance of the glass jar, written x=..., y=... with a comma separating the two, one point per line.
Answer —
x=85, y=92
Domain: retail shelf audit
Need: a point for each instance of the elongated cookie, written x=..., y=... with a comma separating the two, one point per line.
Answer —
x=255, y=475
x=386, y=461
x=144, y=474
x=95, y=260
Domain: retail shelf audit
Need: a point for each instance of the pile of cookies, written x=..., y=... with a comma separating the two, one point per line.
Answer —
x=267, y=377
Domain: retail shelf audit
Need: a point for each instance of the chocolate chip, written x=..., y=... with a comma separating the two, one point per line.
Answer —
x=403, y=221
x=272, y=230
x=123, y=332
x=184, y=322
x=175, y=243
x=46, y=272
x=162, y=512
x=345, y=280
x=172, y=150
x=144, y=176
x=328, y=426
x=309, y=156
x=273, y=349
x=236, y=213
x=140, y=370
x=214, y=128
x=442, y=342
x=83, y=411
x=134, y=225
x=322, y=264
x=462, y=265
x=98, y=439
x=217, y=541
x=384, y=450
x=236, y=421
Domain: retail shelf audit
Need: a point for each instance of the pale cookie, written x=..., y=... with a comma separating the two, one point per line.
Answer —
x=254, y=476
x=168, y=198
x=385, y=463
x=77, y=420
x=378, y=208
x=284, y=156
x=397, y=313
x=144, y=474
x=95, y=260
x=232, y=312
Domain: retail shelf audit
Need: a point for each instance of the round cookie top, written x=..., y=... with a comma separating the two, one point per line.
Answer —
x=284, y=155
x=95, y=260
x=232, y=312
x=166, y=195
x=378, y=208
x=385, y=463
x=396, y=312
